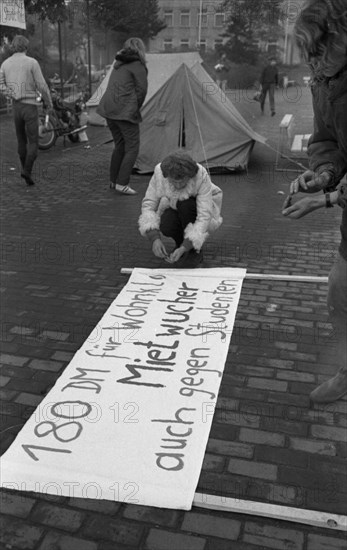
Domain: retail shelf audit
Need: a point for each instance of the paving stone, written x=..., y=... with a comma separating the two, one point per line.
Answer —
x=252, y=469
x=4, y=380
x=54, y=516
x=165, y=540
x=119, y=531
x=46, y=365
x=101, y=506
x=57, y=541
x=203, y=524
x=260, y=437
x=312, y=446
x=15, y=505
x=28, y=399
x=15, y=360
x=15, y=533
x=273, y=537
x=151, y=515
x=328, y=432
x=321, y=542
x=230, y=448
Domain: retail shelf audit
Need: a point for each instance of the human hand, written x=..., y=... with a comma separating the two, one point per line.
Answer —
x=159, y=249
x=309, y=182
x=176, y=254
x=301, y=207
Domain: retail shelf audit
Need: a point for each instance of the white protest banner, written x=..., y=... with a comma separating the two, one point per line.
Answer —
x=129, y=418
x=12, y=13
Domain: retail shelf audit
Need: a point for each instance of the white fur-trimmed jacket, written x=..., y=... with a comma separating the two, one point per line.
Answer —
x=161, y=195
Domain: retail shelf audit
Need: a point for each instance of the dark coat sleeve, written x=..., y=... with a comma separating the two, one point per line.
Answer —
x=327, y=147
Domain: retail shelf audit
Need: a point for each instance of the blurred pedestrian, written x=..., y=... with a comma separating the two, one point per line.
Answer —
x=79, y=75
x=181, y=202
x=120, y=105
x=21, y=79
x=268, y=83
x=321, y=33
x=222, y=71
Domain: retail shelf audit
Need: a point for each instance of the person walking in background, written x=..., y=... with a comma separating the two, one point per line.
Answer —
x=268, y=82
x=321, y=33
x=181, y=202
x=222, y=71
x=120, y=105
x=79, y=75
x=21, y=79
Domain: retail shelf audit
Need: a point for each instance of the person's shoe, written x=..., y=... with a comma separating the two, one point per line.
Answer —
x=125, y=189
x=331, y=390
x=28, y=179
x=273, y=113
x=189, y=260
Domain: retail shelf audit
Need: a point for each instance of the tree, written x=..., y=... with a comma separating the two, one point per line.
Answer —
x=130, y=17
x=249, y=22
x=53, y=10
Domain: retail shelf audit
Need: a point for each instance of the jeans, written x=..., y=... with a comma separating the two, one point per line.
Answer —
x=126, y=137
x=173, y=222
x=26, y=121
x=337, y=305
x=265, y=89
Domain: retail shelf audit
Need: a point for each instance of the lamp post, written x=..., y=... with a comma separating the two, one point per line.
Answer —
x=200, y=18
x=88, y=49
x=285, y=53
x=60, y=59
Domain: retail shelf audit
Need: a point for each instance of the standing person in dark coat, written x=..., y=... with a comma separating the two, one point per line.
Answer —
x=120, y=105
x=268, y=81
x=321, y=33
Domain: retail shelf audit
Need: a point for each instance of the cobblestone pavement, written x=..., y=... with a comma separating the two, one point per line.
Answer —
x=63, y=244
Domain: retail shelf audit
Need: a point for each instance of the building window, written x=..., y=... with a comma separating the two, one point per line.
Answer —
x=185, y=18
x=167, y=45
x=203, y=18
x=184, y=47
x=168, y=18
x=218, y=43
x=219, y=19
x=202, y=46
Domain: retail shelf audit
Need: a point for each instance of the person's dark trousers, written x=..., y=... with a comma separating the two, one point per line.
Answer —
x=265, y=89
x=173, y=222
x=126, y=137
x=26, y=122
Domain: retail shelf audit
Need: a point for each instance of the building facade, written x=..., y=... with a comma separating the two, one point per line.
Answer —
x=191, y=25
x=199, y=25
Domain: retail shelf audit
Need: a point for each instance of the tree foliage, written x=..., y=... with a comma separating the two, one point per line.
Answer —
x=248, y=22
x=130, y=17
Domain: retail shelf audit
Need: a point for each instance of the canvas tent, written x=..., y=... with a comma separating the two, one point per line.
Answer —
x=160, y=67
x=190, y=111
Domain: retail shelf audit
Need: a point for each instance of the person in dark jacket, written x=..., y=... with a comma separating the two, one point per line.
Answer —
x=321, y=32
x=268, y=82
x=79, y=75
x=222, y=71
x=120, y=105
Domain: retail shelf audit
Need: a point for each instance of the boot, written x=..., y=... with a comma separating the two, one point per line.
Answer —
x=331, y=390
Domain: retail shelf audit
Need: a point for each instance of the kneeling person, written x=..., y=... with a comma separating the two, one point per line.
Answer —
x=181, y=202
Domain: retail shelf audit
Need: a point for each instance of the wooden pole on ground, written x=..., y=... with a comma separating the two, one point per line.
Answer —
x=265, y=277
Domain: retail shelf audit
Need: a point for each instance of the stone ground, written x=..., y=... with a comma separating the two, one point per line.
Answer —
x=64, y=242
